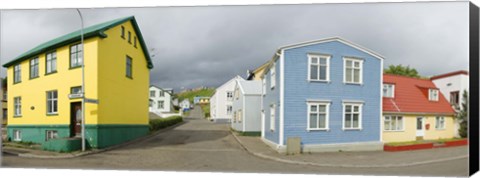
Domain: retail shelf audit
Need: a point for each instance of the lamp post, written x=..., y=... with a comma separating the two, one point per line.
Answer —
x=83, y=81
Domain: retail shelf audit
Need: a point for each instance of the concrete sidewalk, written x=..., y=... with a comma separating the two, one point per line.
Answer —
x=371, y=159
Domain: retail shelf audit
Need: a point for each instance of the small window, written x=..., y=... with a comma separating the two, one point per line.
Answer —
x=123, y=32
x=440, y=123
x=51, y=62
x=239, y=116
x=237, y=93
x=272, y=77
x=17, y=135
x=318, y=67
x=352, y=116
x=393, y=123
x=76, y=55
x=135, y=41
x=388, y=90
x=455, y=98
x=229, y=95
x=129, y=67
x=17, y=106
x=52, y=102
x=34, y=68
x=317, y=115
x=272, y=117
x=234, y=117
x=129, y=37
x=17, y=74
x=433, y=94
x=161, y=93
x=76, y=90
x=5, y=95
x=51, y=134
x=161, y=104
x=152, y=93
x=353, y=70
x=150, y=103
x=229, y=110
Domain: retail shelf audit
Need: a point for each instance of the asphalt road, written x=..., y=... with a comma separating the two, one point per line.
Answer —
x=200, y=146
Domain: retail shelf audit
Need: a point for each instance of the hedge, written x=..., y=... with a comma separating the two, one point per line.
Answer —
x=157, y=124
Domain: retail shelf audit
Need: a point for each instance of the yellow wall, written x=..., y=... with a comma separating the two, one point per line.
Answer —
x=33, y=91
x=122, y=100
x=410, y=129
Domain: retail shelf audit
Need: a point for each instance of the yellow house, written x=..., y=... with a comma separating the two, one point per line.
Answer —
x=414, y=109
x=255, y=74
x=45, y=86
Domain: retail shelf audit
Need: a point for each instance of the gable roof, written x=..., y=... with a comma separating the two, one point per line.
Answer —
x=252, y=73
x=166, y=90
x=460, y=72
x=250, y=87
x=411, y=96
x=91, y=31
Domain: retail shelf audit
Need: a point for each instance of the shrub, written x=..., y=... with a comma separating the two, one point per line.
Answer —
x=157, y=124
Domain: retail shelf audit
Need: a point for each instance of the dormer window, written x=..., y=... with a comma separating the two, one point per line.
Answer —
x=433, y=94
x=388, y=90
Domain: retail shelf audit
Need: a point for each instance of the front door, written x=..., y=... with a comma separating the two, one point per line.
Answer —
x=75, y=119
x=420, y=131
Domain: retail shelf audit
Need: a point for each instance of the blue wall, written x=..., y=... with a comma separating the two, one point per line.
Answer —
x=272, y=96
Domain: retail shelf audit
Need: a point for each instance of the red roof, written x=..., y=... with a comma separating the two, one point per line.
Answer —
x=411, y=96
x=460, y=72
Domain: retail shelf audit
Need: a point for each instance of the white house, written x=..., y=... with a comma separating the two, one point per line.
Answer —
x=222, y=99
x=453, y=85
x=246, y=107
x=160, y=100
x=185, y=104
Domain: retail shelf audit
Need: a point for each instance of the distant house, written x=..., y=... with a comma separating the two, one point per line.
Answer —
x=326, y=93
x=255, y=74
x=175, y=102
x=221, y=101
x=246, y=107
x=201, y=100
x=185, y=104
x=160, y=100
x=3, y=95
x=414, y=109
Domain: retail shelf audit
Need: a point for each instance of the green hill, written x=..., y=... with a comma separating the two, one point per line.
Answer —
x=190, y=94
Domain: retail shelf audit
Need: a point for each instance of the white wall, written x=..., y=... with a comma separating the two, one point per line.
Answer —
x=453, y=83
x=219, y=102
x=166, y=98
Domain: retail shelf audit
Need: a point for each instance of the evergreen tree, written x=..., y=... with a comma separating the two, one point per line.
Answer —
x=402, y=70
x=462, y=116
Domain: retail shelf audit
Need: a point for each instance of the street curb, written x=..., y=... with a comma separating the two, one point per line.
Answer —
x=28, y=155
x=260, y=155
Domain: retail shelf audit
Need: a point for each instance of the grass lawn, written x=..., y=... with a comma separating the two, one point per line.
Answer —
x=423, y=141
x=205, y=109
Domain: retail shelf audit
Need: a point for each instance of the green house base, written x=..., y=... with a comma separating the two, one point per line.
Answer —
x=97, y=136
x=63, y=144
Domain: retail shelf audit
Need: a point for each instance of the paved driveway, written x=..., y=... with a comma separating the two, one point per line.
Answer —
x=199, y=145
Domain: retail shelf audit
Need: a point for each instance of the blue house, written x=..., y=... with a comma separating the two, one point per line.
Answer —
x=327, y=93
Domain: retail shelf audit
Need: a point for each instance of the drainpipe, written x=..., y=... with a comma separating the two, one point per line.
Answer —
x=83, y=81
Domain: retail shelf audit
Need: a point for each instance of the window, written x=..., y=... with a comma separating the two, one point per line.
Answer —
x=388, y=90
x=129, y=37
x=264, y=85
x=150, y=103
x=433, y=94
x=51, y=62
x=393, y=123
x=318, y=67
x=76, y=55
x=135, y=41
x=51, y=134
x=237, y=93
x=52, y=102
x=17, y=106
x=455, y=98
x=34, y=68
x=76, y=90
x=161, y=93
x=152, y=93
x=4, y=114
x=229, y=96
x=17, y=135
x=123, y=32
x=440, y=122
x=160, y=104
x=352, y=118
x=317, y=116
x=235, y=117
x=272, y=117
x=17, y=74
x=272, y=76
x=229, y=110
x=5, y=95
x=129, y=67
x=353, y=70
x=239, y=115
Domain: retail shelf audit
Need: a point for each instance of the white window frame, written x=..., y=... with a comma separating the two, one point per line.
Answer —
x=443, y=125
x=360, y=78
x=239, y=115
x=431, y=95
x=352, y=104
x=318, y=65
x=391, y=86
x=237, y=93
x=234, y=117
x=17, y=73
x=272, y=117
x=51, y=62
x=327, y=114
x=393, y=127
x=17, y=106
x=152, y=92
x=51, y=134
x=52, y=102
x=229, y=96
x=160, y=104
x=76, y=55
x=34, y=68
x=229, y=110
x=161, y=94
x=272, y=77
x=17, y=135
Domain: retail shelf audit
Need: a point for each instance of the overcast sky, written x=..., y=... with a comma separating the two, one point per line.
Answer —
x=207, y=46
